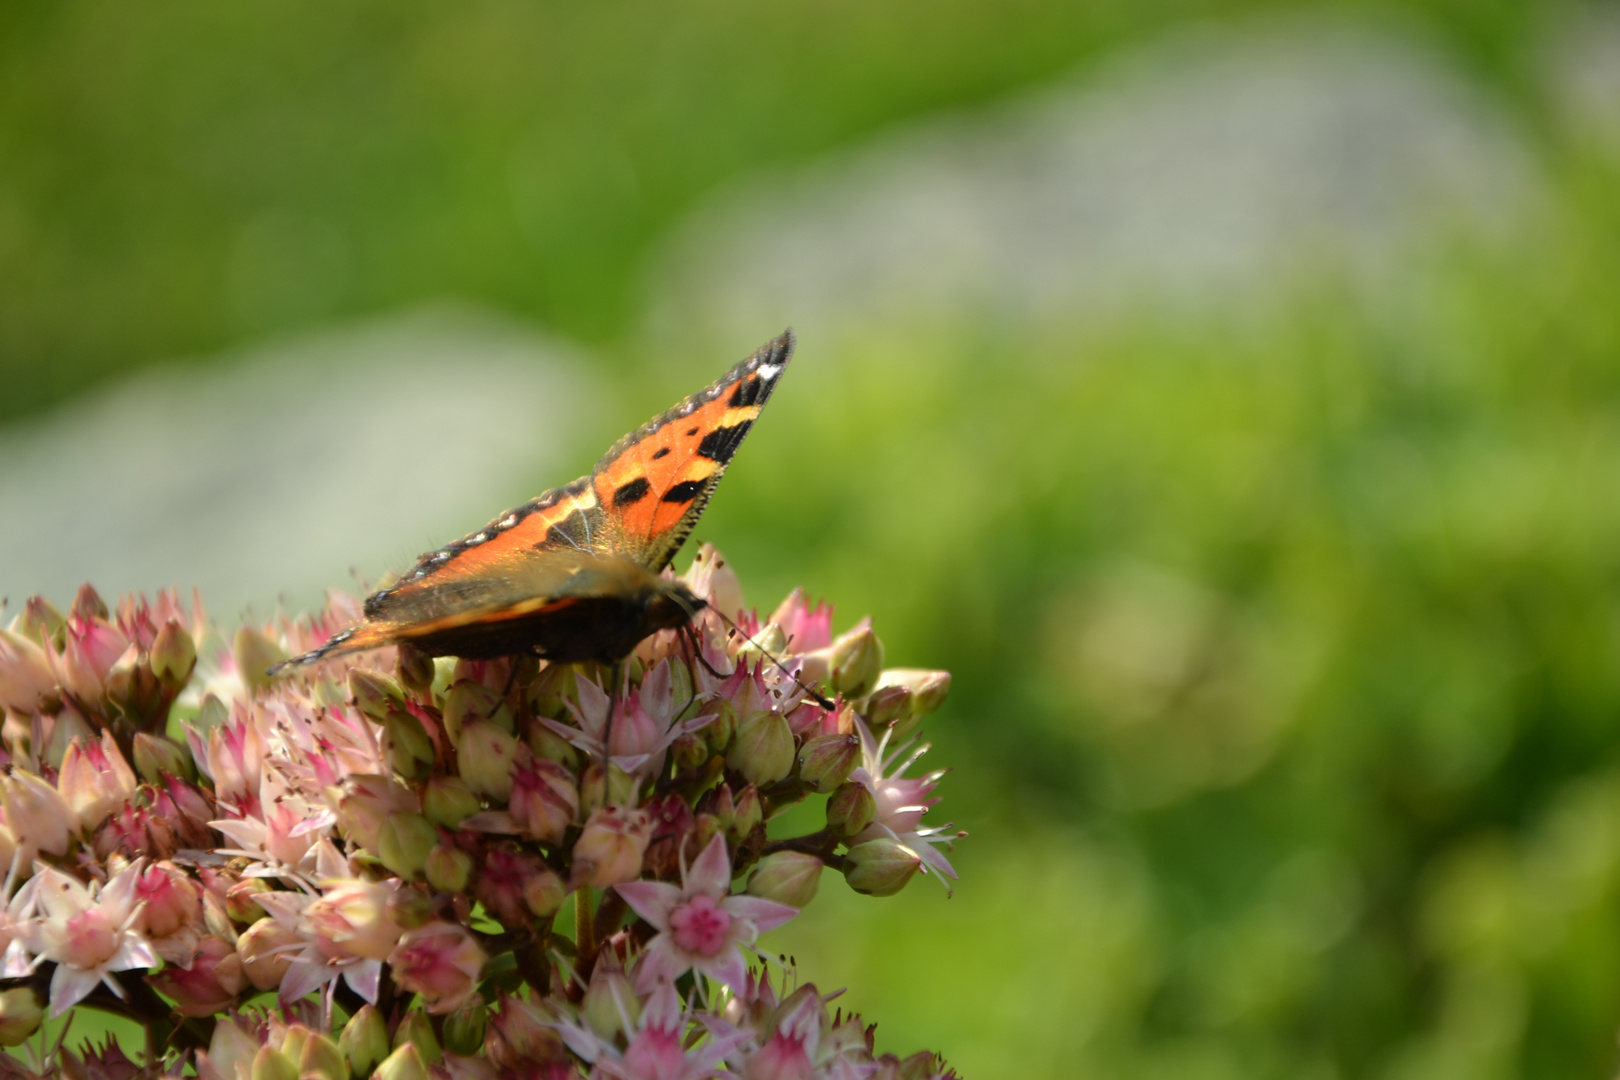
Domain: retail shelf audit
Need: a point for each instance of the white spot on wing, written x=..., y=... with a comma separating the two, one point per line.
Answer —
x=769, y=371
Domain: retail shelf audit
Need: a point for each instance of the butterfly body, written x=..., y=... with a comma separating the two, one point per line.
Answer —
x=574, y=573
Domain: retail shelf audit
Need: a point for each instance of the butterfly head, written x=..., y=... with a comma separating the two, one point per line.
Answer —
x=673, y=604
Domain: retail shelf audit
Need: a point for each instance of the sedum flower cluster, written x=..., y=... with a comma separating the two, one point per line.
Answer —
x=404, y=867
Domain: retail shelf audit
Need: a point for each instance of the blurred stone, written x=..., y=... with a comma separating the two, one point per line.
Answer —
x=290, y=468
x=1189, y=171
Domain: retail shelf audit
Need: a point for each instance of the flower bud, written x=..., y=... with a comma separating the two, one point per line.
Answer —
x=856, y=662
x=486, y=754
x=448, y=801
x=20, y=1015
x=880, y=867
x=366, y=802
x=88, y=604
x=610, y=1004
x=266, y=956
x=321, y=1057
x=173, y=656
x=611, y=846
x=747, y=812
x=769, y=643
x=271, y=1064
x=593, y=788
x=719, y=732
x=292, y=1041
x=850, y=810
x=38, y=816
x=239, y=902
x=886, y=705
x=376, y=694
x=550, y=688
x=417, y=1030
x=623, y=789
x=406, y=1063
x=547, y=744
x=449, y=869
x=711, y=577
x=928, y=688
x=544, y=799
x=406, y=745
x=788, y=877
x=689, y=752
x=544, y=892
x=156, y=755
x=255, y=654
x=364, y=1041
x=41, y=622
x=405, y=842
x=25, y=674
x=464, y=1028
x=827, y=760
x=763, y=749
x=410, y=906
x=442, y=962
x=470, y=701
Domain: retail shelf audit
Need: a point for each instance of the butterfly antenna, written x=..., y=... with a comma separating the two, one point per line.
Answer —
x=783, y=668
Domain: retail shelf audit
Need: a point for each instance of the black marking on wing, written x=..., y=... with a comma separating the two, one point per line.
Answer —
x=685, y=491
x=573, y=530
x=721, y=443
x=633, y=492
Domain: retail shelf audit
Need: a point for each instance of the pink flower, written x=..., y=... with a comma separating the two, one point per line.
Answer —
x=636, y=736
x=88, y=932
x=700, y=926
x=441, y=961
x=209, y=985
x=351, y=916
x=89, y=650
x=658, y=1050
x=170, y=913
x=808, y=626
x=545, y=799
x=901, y=802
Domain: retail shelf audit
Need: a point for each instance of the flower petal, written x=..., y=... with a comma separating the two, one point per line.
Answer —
x=652, y=900
x=710, y=875
x=763, y=914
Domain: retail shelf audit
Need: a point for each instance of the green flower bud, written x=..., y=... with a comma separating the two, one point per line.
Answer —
x=622, y=788
x=486, y=753
x=255, y=654
x=417, y=1030
x=364, y=1041
x=449, y=869
x=689, y=752
x=88, y=604
x=468, y=702
x=448, y=801
x=406, y=745
x=788, y=877
x=928, y=688
x=41, y=622
x=544, y=892
x=549, y=745
x=21, y=1013
x=405, y=842
x=593, y=788
x=610, y=1003
x=411, y=906
x=406, y=1063
x=763, y=749
x=271, y=1064
x=886, y=705
x=464, y=1028
x=857, y=661
x=415, y=669
x=747, y=813
x=550, y=688
x=850, y=810
x=156, y=755
x=827, y=760
x=376, y=694
x=719, y=732
x=880, y=867
x=173, y=656
x=769, y=643
x=321, y=1057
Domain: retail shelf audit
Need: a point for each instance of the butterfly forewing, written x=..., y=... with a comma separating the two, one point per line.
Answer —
x=551, y=570
x=654, y=483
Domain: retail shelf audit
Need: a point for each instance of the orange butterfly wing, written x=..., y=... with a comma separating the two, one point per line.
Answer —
x=584, y=543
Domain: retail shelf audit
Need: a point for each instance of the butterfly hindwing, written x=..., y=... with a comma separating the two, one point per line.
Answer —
x=654, y=483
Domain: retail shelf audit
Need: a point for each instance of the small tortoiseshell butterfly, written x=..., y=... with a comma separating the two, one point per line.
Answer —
x=574, y=573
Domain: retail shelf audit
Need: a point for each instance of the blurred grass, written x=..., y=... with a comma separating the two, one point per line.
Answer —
x=1285, y=645
x=180, y=177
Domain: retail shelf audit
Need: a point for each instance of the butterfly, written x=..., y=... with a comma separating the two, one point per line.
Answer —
x=573, y=574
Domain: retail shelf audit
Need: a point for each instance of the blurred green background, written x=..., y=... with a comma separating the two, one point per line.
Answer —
x=1280, y=592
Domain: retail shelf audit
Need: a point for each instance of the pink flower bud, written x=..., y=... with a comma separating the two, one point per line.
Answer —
x=440, y=961
x=711, y=577
x=210, y=985
x=486, y=755
x=808, y=627
x=267, y=950
x=610, y=847
x=90, y=649
x=880, y=867
x=928, y=688
x=788, y=877
x=763, y=749
x=25, y=675
x=95, y=780
x=352, y=918
x=172, y=902
x=544, y=800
